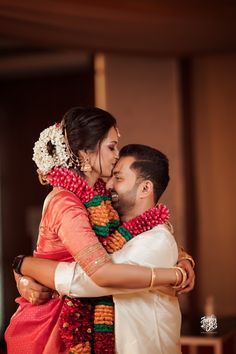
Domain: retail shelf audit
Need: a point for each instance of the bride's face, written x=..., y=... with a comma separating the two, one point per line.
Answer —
x=105, y=157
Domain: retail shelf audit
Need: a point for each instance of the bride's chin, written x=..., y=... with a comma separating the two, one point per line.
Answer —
x=107, y=174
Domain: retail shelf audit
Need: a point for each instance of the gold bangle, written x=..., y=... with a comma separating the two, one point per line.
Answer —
x=189, y=258
x=184, y=277
x=177, y=277
x=153, y=278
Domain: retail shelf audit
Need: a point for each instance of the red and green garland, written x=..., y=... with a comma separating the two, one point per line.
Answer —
x=88, y=324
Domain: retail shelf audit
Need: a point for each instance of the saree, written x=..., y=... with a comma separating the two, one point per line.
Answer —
x=65, y=234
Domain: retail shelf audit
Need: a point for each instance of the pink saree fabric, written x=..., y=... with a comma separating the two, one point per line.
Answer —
x=64, y=233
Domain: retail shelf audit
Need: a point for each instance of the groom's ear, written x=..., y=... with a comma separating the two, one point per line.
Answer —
x=145, y=189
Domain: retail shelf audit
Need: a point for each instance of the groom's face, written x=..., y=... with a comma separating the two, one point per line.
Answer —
x=123, y=185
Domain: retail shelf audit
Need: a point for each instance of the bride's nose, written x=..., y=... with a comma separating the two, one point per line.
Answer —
x=117, y=154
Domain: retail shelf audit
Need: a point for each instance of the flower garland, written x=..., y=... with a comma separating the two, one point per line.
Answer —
x=142, y=223
x=89, y=323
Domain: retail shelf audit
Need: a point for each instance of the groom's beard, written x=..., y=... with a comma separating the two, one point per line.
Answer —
x=123, y=203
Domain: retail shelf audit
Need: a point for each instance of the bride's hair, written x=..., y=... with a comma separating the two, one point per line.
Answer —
x=86, y=127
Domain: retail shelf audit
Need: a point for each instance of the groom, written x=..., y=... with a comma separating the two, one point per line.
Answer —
x=145, y=321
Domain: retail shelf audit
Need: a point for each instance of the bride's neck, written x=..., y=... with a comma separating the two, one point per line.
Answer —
x=91, y=178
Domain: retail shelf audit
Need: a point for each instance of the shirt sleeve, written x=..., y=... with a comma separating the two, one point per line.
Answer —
x=70, y=222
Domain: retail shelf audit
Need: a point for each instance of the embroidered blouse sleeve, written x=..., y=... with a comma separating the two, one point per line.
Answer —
x=70, y=222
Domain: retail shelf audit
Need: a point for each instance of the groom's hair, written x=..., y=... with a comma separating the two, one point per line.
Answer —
x=150, y=164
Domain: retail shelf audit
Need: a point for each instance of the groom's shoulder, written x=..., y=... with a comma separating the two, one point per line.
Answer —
x=161, y=232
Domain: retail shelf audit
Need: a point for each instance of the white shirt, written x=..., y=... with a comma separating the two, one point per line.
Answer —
x=146, y=322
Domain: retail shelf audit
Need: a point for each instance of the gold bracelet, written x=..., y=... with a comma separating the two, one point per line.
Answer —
x=153, y=278
x=189, y=258
x=177, y=277
x=184, y=277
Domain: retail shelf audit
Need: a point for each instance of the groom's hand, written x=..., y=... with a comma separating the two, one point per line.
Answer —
x=32, y=291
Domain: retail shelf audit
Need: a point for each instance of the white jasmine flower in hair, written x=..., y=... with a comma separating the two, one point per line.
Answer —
x=59, y=156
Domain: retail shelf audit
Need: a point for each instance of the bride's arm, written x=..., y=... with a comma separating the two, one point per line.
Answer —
x=123, y=276
x=71, y=280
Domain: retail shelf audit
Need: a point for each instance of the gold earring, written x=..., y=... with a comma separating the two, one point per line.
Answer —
x=85, y=165
x=42, y=177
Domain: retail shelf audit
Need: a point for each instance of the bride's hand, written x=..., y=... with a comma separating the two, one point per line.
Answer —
x=189, y=284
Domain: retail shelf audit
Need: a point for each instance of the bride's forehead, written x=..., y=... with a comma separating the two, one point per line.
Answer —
x=112, y=134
